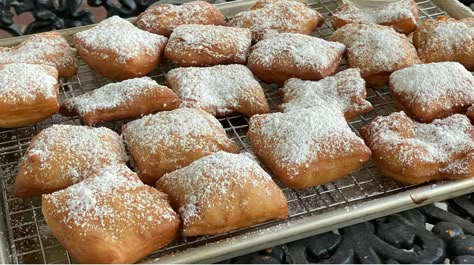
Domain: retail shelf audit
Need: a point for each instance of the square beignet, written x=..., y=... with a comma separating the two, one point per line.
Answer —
x=433, y=91
x=112, y=217
x=207, y=45
x=376, y=50
x=49, y=48
x=62, y=155
x=118, y=50
x=277, y=58
x=28, y=94
x=401, y=15
x=223, y=192
x=166, y=141
x=443, y=39
x=307, y=147
x=346, y=90
x=219, y=90
x=164, y=18
x=278, y=16
x=412, y=152
x=122, y=100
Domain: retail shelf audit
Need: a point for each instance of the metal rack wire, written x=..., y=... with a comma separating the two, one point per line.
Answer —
x=31, y=242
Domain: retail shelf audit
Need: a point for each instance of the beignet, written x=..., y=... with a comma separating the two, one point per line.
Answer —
x=49, y=48
x=62, y=155
x=277, y=58
x=470, y=113
x=164, y=18
x=122, y=100
x=412, y=152
x=278, y=16
x=28, y=94
x=219, y=90
x=401, y=15
x=443, y=39
x=307, y=147
x=223, y=192
x=433, y=91
x=111, y=217
x=118, y=50
x=206, y=45
x=166, y=141
x=346, y=90
x=376, y=50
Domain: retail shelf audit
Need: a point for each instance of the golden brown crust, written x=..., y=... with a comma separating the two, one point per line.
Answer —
x=278, y=16
x=401, y=15
x=413, y=153
x=118, y=50
x=223, y=192
x=123, y=100
x=376, y=50
x=443, y=39
x=470, y=113
x=207, y=45
x=49, y=48
x=166, y=141
x=137, y=218
x=164, y=18
x=28, y=94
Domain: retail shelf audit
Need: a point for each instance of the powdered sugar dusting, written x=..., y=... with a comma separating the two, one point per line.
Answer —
x=346, y=90
x=302, y=51
x=428, y=83
x=223, y=87
x=212, y=178
x=447, y=36
x=112, y=95
x=92, y=204
x=21, y=82
x=121, y=37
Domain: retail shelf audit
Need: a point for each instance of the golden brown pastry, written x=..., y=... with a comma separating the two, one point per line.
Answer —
x=206, y=45
x=118, y=50
x=62, y=155
x=277, y=58
x=401, y=15
x=278, y=16
x=412, y=152
x=219, y=90
x=470, y=113
x=164, y=18
x=49, y=48
x=112, y=217
x=163, y=142
x=346, y=90
x=443, y=39
x=376, y=50
x=223, y=192
x=433, y=91
x=28, y=94
x=122, y=100
x=307, y=147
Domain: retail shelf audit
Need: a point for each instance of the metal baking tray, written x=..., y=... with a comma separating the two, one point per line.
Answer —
x=362, y=195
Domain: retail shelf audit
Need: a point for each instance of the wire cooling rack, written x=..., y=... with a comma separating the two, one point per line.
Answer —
x=31, y=242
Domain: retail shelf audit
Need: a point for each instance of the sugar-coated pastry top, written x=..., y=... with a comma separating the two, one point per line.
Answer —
x=346, y=90
x=298, y=136
x=274, y=16
x=48, y=48
x=164, y=18
x=111, y=95
x=303, y=50
x=108, y=200
x=221, y=86
x=21, y=82
x=214, y=176
x=442, y=141
x=120, y=37
x=425, y=83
